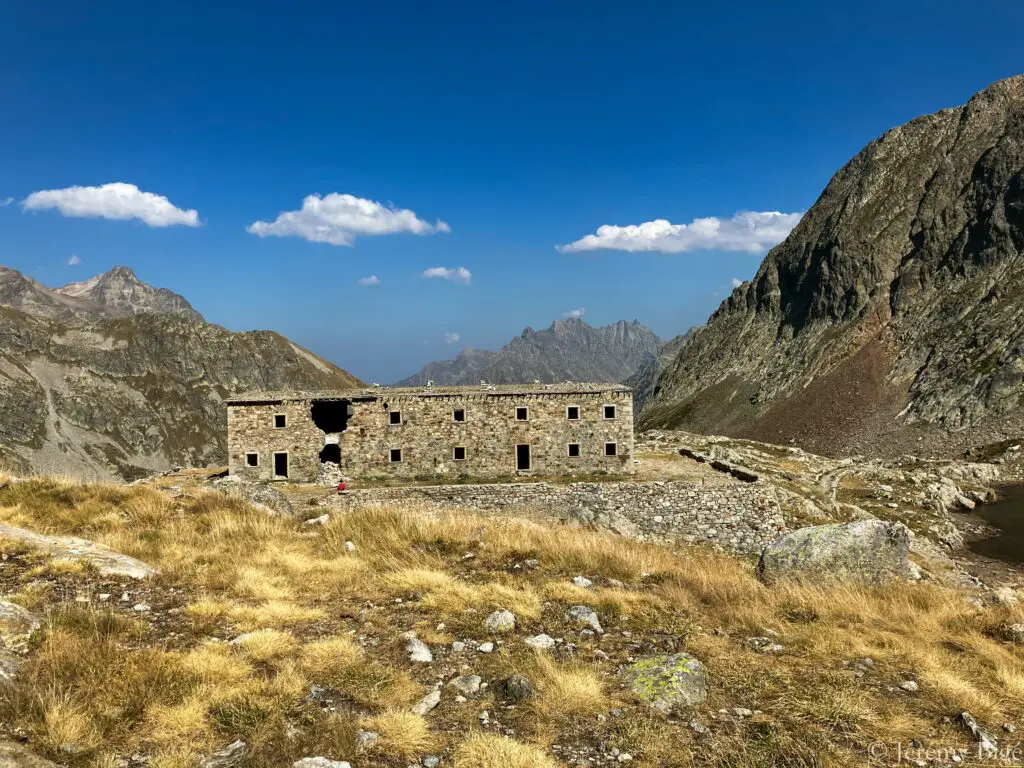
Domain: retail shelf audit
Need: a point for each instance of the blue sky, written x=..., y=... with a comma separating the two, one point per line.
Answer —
x=520, y=126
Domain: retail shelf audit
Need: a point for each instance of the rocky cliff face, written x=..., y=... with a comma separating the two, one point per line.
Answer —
x=570, y=350
x=113, y=378
x=893, y=315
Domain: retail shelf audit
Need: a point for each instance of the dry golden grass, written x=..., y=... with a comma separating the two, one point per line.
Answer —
x=99, y=686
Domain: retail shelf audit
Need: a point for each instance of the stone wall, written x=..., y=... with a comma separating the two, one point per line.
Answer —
x=427, y=435
x=738, y=518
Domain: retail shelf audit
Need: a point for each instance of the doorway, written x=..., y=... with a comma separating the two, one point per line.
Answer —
x=522, y=458
x=281, y=465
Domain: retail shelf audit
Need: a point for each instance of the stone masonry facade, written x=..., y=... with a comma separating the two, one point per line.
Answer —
x=739, y=517
x=430, y=433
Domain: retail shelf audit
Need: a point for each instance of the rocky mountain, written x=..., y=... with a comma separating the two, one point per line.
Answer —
x=570, y=350
x=114, y=378
x=892, y=317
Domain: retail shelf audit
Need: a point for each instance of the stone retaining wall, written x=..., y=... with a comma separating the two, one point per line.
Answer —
x=738, y=518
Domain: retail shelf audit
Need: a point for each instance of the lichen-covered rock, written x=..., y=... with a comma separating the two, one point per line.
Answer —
x=13, y=755
x=517, y=688
x=871, y=551
x=668, y=682
x=106, y=560
x=16, y=626
x=500, y=621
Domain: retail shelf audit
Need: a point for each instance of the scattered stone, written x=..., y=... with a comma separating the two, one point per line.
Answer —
x=517, y=688
x=431, y=761
x=418, y=650
x=500, y=621
x=458, y=646
x=365, y=740
x=1009, y=727
x=742, y=712
x=320, y=762
x=466, y=684
x=669, y=681
x=764, y=645
x=322, y=520
x=910, y=686
x=10, y=666
x=986, y=742
x=582, y=581
x=541, y=642
x=427, y=703
x=141, y=608
x=349, y=546
x=233, y=754
x=16, y=626
x=487, y=647
x=871, y=551
x=1015, y=633
x=584, y=614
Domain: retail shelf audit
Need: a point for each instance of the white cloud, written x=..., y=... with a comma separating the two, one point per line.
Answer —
x=575, y=313
x=74, y=261
x=455, y=274
x=736, y=282
x=749, y=231
x=371, y=280
x=6, y=201
x=113, y=201
x=451, y=338
x=338, y=219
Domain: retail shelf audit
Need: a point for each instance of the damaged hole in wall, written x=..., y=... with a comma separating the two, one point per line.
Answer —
x=331, y=416
x=331, y=454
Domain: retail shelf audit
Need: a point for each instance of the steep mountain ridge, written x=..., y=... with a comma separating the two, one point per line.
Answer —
x=114, y=378
x=569, y=350
x=893, y=314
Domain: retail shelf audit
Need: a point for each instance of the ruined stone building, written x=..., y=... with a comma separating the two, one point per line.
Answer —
x=489, y=431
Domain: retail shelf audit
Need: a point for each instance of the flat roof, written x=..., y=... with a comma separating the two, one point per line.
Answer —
x=565, y=388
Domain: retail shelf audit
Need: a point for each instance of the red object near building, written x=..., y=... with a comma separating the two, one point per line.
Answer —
x=341, y=487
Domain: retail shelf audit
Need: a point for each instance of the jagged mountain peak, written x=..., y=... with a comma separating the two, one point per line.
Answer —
x=120, y=291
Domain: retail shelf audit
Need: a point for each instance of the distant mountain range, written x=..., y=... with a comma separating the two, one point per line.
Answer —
x=892, y=317
x=569, y=350
x=114, y=378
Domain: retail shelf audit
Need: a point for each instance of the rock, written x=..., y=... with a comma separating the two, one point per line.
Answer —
x=584, y=614
x=431, y=761
x=13, y=755
x=141, y=608
x=500, y=621
x=233, y=754
x=540, y=642
x=16, y=626
x=1015, y=633
x=871, y=551
x=669, y=681
x=986, y=743
x=322, y=520
x=320, y=762
x=517, y=688
x=910, y=686
x=466, y=684
x=458, y=646
x=744, y=474
x=582, y=581
x=427, y=703
x=418, y=650
x=487, y=647
x=68, y=548
x=764, y=645
x=10, y=666
x=262, y=496
x=349, y=546
x=366, y=740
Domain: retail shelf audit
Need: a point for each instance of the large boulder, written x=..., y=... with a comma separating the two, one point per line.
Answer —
x=668, y=682
x=871, y=551
x=263, y=496
x=16, y=627
x=70, y=548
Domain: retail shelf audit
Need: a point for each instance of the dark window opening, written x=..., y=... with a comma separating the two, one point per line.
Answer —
x=459, y=414
x=459, y=454
x=252, y=459
x=281, y=465
x=331, y=454
x=522, y=413
x=522, y=458
x=611, y=449
x=574, y=450
x=609, y=411
x=396, y=455
x=280, y=421
x=331, y=416
x=573, y=413
x=394, y=417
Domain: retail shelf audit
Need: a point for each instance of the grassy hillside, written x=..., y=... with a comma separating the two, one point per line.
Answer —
x=151, y=672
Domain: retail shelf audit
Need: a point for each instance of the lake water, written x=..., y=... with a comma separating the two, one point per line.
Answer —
x=1007, y=515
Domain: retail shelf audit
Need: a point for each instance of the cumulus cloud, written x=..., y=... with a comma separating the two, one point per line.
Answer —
x=371, y=280
x=575, y=313
x=74, y=261
x=338, y=219
x=113, y=201
x=4, y=202
x=736, y=282
x=455, y=274
x=748, y=231
x=451, y=338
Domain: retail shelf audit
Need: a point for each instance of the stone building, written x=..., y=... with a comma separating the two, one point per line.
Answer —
x=489, y=431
